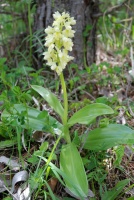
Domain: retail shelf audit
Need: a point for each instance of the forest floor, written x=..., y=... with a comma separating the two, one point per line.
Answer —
x=107, y=81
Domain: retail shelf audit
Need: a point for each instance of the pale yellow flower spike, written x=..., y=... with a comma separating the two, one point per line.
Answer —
x=59, y=42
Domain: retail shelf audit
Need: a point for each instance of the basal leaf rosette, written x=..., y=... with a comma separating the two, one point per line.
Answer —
x=59, y=41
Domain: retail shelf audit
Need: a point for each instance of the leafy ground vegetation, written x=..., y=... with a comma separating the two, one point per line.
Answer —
x=54, y=147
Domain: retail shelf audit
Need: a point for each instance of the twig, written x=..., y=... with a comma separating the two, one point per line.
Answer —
x=10, y=13
x=109, y=10
x=10, y=21
x=88, y=94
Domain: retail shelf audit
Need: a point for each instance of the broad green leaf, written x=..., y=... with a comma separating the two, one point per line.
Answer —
x=31, y=118
x=112, y=194
x=87, y=114
x=71, y=164
x=51, y=99
x=110, y=136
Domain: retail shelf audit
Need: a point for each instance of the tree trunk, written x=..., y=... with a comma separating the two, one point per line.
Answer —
x=84, y=49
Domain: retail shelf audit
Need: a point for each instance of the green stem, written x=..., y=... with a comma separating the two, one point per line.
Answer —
x=52, y=152
x=65, y=99
x=65, y=116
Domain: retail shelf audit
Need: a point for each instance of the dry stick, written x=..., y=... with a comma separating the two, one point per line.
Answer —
x=77, y=89
x=9, y=192
x=89, y=94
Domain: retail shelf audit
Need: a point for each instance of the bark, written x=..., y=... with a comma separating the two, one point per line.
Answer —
x=82, y=10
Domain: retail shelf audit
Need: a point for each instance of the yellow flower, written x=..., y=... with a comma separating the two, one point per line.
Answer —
x=59, y=42
x=49, y=30
x=56, y=15
x=68, y=33
x=67, y=43
x=49, y=40
x=51, y=47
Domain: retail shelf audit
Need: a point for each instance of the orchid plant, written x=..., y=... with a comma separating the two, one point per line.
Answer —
x=59, y=43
